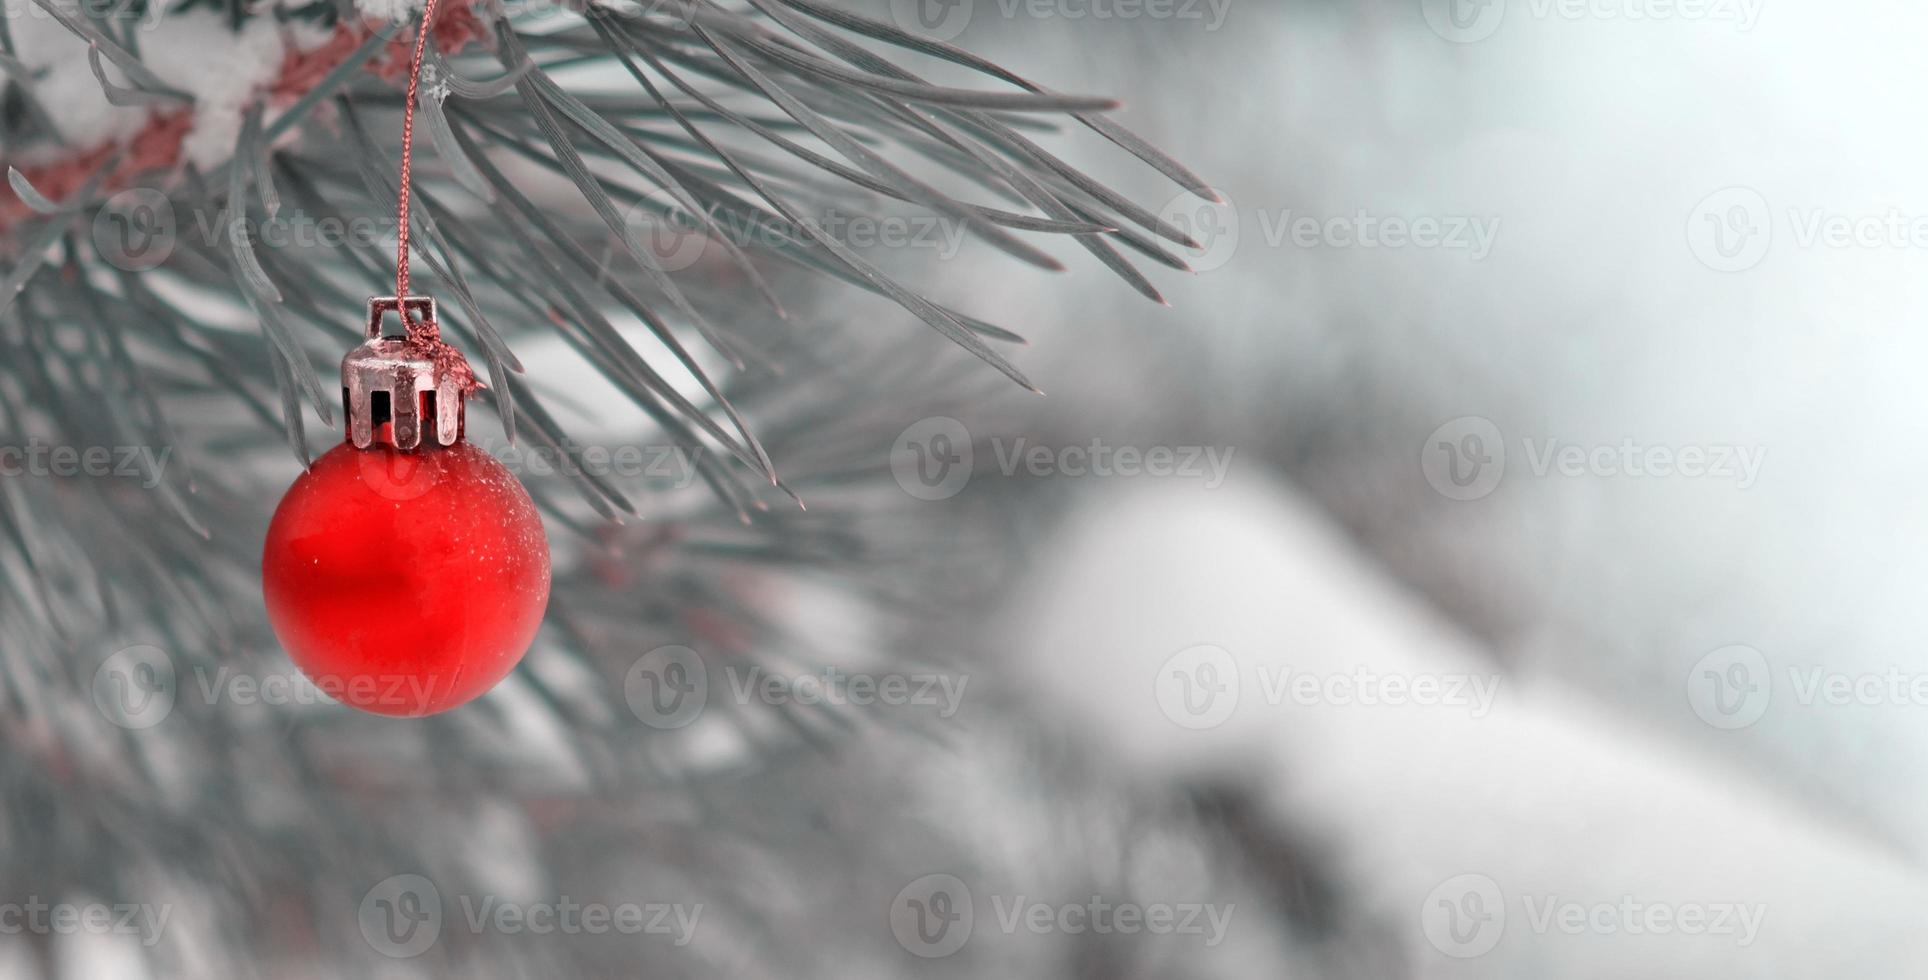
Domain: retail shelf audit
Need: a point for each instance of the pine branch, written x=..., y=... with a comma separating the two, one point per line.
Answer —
x=739, y=131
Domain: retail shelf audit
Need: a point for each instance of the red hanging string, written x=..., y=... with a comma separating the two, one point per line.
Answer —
x=408, y=147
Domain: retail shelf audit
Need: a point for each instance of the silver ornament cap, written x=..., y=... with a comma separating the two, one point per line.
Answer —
x=415, y=381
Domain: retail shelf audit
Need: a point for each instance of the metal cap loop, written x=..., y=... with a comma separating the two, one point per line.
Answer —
x=421, y=308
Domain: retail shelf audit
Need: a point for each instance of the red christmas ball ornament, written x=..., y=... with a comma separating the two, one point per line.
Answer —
x=406, y=572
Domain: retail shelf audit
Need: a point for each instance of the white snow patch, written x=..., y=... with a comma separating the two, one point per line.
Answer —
x=389, y=10
x=192, y=51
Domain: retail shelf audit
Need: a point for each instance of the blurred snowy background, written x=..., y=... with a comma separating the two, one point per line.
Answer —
x=1505, y=298
x=1496, y=562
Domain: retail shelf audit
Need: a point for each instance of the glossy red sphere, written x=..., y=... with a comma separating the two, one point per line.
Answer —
x=406, y=583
